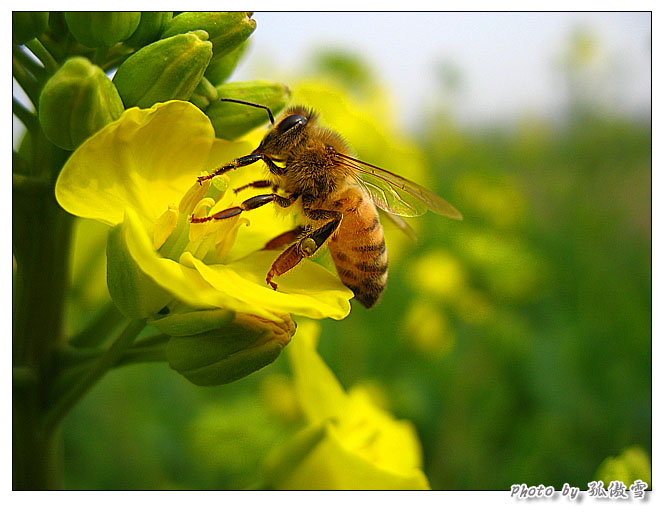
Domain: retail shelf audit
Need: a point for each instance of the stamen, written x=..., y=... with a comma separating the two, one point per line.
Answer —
x=199, y=220
x=193, y=196
x=164, y=226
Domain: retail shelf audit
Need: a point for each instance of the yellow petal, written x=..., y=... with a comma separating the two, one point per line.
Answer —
x=144, y=160
x=331, y=466
x=309, y=290
x=183, y=282
x=377, y=436
x=320, y=394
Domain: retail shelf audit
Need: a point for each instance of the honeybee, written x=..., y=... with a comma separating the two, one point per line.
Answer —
x=336, y=196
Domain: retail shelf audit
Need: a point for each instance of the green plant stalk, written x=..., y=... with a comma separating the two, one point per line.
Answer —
x=103, y=364
x=30, y=65
x=27, y=82
x=41, y=237
x=27, y=117
x=43, y=55
x=41, y=241
x=78, y=362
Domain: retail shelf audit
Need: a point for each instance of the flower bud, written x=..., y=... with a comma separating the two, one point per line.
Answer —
x=226, y=30
x=27, y=25
x=220, y=68
x=193, y=323
x=134, y=293
x=227, y=354
x=164, y=70
x=102, y=28
x=149, y=29
x=76, y=102
x=231, y=120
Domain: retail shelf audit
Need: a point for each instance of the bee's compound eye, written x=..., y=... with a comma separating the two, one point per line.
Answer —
x=291, y=121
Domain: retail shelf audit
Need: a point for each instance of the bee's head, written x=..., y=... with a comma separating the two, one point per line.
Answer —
x=288, y=132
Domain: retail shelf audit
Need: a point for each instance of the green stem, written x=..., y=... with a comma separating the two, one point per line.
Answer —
x=29, y=63
x=103, y=364
x=20, y=167
x=40, y=242
x=43, y=55
x=105, y=322
x=27, y=82
x=55, y=49
x=74, y=363
x=27, y=117
x=146, y=351
x=29, y=185
x=100, y=55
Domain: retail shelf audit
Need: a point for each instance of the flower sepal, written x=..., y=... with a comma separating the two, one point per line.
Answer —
x=186, y=323
x=135, y=293
x=221, y=356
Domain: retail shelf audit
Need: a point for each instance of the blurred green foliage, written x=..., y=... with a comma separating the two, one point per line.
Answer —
x=518, y=341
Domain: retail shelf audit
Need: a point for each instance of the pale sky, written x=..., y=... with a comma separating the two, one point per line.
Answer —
x=507, y=60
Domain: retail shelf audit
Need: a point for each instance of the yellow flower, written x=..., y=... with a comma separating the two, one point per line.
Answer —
x=632, y=464
x=348, y=442
x=139, y=175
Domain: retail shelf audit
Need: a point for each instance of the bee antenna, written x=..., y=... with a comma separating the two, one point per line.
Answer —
x=269, y=112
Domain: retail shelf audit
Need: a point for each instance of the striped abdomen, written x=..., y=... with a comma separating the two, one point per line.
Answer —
x=359, y=250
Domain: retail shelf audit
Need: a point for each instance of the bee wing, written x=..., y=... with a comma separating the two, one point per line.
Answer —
x=395, y=194
x=401, y=224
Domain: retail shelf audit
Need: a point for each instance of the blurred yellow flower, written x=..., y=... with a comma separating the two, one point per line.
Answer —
x=632, y=464
x=501, y=202
x=139, y=174
x=509, y=268
x=439, y=274
x=348, y=442
x=427, y=329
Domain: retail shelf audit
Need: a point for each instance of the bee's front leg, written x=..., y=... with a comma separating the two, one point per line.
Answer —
x=305, y=247
x=249, y=204
x=244, y=161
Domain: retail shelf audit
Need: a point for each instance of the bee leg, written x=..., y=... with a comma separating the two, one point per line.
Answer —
x=284, y=238
x=258, y=184
x=284, y=262
x=244, y=161
x=249, y=204
x=305, y=247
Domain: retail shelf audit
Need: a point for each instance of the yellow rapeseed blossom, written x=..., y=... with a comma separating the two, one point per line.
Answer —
x=427, y=329
x=348, y=442
x=632, y=464
x=139, y=175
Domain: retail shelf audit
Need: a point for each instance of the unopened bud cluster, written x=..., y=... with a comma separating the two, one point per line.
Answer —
x=152, y=57
x=82, y=70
